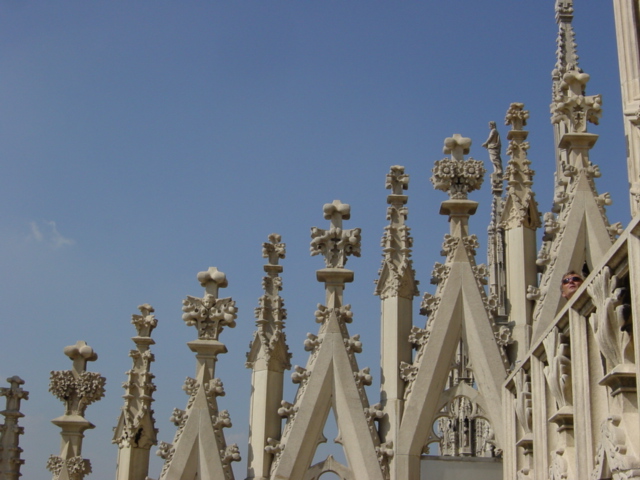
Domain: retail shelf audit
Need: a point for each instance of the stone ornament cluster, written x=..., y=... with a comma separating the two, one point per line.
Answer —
x=455, y=175
x=503, y=367
x=77, y=389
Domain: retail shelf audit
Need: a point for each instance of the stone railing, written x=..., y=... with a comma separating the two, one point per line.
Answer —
x=571, y=405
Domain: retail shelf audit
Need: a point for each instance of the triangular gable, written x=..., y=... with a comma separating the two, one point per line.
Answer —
x=582, y=236
x=330, y=381
x=461, y=315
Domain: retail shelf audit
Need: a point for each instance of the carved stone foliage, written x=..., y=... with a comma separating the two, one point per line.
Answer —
x=572, y=106
x=558, y=467
x=457, y=176
x=270, y=313
x=136, y=424
x=209, y=315
x=274, y=250
x=516, y=116
x=609, y=321
x=335, y=244
x=614, y=458
x=76, y=467
x=523, y=404
x=146, y=321
x=397, y=180
x=77, y=390
x=558, y=372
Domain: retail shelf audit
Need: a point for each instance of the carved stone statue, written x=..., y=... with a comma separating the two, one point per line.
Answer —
x=493, y=145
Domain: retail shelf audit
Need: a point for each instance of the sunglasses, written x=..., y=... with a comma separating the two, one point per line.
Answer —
x=565, y=281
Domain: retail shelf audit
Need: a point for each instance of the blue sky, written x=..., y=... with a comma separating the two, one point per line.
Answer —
x=142, y=142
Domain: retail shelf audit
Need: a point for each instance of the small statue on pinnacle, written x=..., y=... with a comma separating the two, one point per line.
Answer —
x=493, y=146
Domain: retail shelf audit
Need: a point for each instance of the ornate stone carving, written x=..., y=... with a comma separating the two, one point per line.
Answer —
x=210, y=314
x=269, y=341
x=363, y=377
x=335, y=244
x=572, y=107
x=440, y=273
x=609, y=321
x=558, y=372
x=523, y=406
x=429, y=305
x=136, y=425
x=385, y=452
x=457, y=176
x=613, y=458
x=77, y=389
x=10, y=431
x=75, y=467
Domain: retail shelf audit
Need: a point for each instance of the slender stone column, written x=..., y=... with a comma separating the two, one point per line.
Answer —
x=135, y=433
x=10, y=431
x=77, y=389
x=396, y=287
x=268, y=358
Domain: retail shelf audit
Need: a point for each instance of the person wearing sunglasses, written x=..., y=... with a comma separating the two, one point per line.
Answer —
x=571, y=282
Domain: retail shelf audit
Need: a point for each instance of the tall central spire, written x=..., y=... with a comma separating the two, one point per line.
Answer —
x=567, y=48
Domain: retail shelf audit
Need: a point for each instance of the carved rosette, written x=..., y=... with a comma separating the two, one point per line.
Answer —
x=457, y=177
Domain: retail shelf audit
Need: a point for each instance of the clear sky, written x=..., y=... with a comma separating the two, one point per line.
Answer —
x=142, y=142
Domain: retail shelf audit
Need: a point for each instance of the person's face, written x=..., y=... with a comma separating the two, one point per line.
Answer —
x=570, y=283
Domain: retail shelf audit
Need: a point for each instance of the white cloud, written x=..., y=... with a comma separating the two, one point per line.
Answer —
x=47, y=232
x=35, y=234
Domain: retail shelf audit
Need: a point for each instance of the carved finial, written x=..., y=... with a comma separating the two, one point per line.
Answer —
x=269, y=341
x=146, y=322
x=135, y=432
x=397, y=180
x=274, y=250
x=336, y=211
x=10, y=432
x=80, y=353
x=78, y=389
x=335, y=244
x=567, y=49
x=457, y=146
x=212, y=280
x=516, y=116
x=455, y=175
x=210, y=314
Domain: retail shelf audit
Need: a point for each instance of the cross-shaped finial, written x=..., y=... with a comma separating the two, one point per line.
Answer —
x=457, y=146
x=397, y=180
x=274, y=250
x=212, y=280
x=14, y=393
x=80, y=353
x=336, y=211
